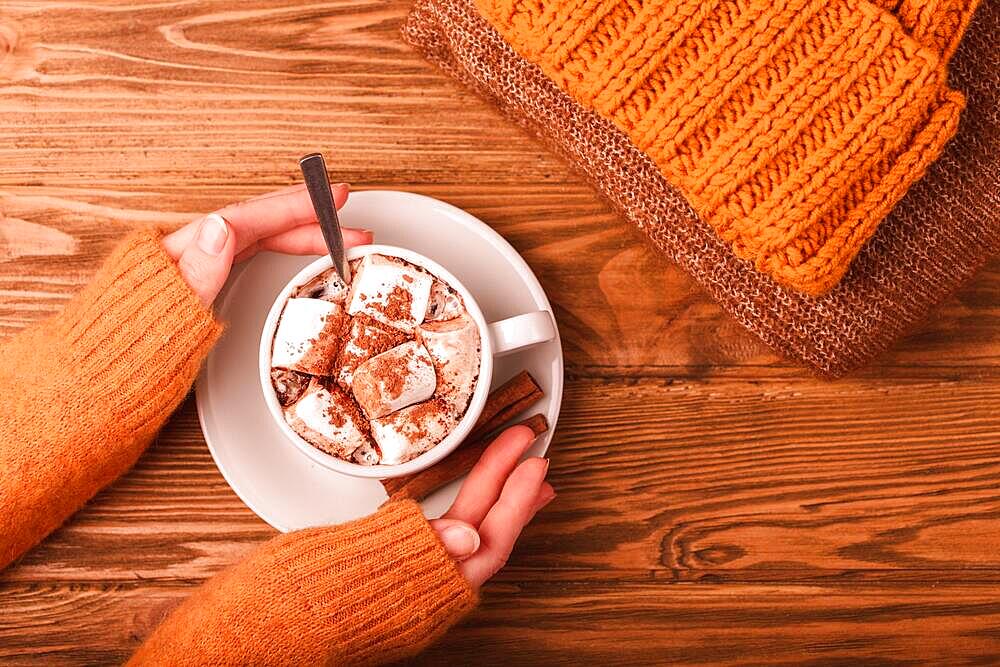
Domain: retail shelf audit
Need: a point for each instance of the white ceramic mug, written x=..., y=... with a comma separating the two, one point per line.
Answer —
x=496, y=339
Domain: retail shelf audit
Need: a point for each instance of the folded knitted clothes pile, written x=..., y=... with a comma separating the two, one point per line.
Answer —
x=761, y=145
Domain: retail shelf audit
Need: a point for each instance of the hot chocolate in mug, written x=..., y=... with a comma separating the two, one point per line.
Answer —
x=496, y=339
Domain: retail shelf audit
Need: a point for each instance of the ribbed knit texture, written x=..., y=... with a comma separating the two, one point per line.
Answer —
x=937, y=237
x=85, y=391
x=937, y=24
x=372, y=591
x=792, y=127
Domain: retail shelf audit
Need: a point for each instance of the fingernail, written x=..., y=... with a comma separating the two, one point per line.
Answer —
x=343, y=186
x=212, y=234
x=544, y=500
x=547, y=462
x=460, y=541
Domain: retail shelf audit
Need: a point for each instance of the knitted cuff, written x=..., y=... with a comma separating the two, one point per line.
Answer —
x=791, y=127
x=137, y=334
x=373, y=590
x=392, y=575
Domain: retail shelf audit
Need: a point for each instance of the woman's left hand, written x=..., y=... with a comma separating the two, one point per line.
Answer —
x=497, y=500
x=281, y=221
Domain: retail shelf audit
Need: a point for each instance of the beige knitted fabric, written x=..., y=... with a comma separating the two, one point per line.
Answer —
x=942, y=231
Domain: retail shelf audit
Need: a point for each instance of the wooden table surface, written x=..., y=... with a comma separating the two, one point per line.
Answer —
x=716, y=504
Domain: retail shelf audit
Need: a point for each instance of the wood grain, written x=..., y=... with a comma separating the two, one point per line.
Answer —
x=150, y=115
x=716, y=504
x=573, y=623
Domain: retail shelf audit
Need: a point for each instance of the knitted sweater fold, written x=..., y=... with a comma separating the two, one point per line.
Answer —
x=84, y=394
x=792, y=127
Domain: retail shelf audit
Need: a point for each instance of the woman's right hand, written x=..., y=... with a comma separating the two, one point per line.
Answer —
x=496, y=501
x=281, y=221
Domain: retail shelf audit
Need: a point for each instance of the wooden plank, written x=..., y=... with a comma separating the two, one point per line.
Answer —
x=134, y=92
x=622, y=309
x=743, y=624
x=579, y=623
x=724, y=479
x=106, y=114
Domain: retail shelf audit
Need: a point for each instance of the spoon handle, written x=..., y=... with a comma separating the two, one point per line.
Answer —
x=318, y=184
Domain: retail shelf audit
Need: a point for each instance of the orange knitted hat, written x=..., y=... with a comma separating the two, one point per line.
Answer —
x=792, y=127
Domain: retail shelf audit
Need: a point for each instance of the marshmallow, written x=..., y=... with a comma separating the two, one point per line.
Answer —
x=394, y=379
x=365, y=339
x=409, y=432
x=367, y=455
x=454, y=347
x=390, y=291
x=328, y=419
x=327, y=286
x=288, y=385
x=444, y=303
x=308, y=336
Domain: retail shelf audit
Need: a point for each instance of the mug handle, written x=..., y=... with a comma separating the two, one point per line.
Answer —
x=521, y=331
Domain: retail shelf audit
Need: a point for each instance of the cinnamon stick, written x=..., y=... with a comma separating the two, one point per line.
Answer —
x=422, y=484
x=506, y=401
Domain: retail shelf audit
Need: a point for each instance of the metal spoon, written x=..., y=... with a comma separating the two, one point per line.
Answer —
x=318, y=184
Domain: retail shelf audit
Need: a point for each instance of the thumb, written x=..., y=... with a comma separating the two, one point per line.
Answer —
x=460, y=539
x=205, y=262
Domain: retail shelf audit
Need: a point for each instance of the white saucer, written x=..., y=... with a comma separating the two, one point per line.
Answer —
x=283, y=486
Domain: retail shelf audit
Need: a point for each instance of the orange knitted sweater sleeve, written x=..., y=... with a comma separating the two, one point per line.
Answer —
x=84, y=394
x=372, y=591
x=85, y=391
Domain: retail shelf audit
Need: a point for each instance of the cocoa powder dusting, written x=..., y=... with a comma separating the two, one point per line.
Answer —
x=367, y=338
x=391, y=373
x=334, y=417
x=375, y=338
x=344, y=344
x=398, y=305
x=348, y=409
x=352, y=408
x=415, y=423
x=322, y=356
